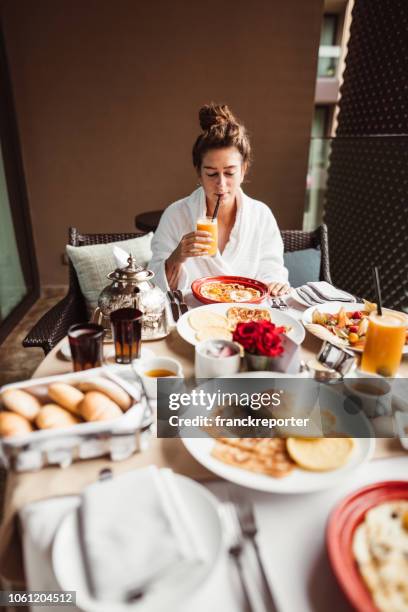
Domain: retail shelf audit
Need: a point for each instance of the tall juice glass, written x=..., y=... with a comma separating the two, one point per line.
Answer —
x=207, y=224
x=384, y=343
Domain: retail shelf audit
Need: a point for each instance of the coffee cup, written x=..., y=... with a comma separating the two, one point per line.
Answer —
x=370, y=392
x=151, y=369
x=215, y=358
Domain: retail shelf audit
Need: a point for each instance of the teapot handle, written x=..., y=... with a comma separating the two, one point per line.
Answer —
x=97, y=316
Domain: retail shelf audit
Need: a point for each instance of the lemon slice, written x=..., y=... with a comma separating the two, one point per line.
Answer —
x=320, y=454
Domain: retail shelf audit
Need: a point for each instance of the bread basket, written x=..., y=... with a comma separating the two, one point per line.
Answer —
x=118, y=438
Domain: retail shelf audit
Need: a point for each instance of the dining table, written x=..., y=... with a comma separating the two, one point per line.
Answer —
x=291, y=526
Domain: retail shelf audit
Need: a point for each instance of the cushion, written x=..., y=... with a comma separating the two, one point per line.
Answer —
x=94, y=262
x=303, y=266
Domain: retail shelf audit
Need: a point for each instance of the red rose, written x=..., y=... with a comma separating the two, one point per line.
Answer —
x=260, y=337
x=246, y=334
x=269, y=344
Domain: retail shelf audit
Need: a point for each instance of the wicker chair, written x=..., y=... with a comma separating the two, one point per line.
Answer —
x=297, y=240
x=53, y=326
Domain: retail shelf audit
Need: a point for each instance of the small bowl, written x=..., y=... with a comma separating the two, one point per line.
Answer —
x=209, y=366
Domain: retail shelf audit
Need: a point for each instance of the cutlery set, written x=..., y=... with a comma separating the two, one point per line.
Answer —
x=279, y=303
x=240, y=526
x=177, y=303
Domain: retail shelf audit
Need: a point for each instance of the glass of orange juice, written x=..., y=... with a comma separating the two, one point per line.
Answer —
x=208, y=224
x=384, y=343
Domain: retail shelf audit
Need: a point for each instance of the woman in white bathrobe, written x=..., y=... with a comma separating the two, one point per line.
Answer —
x=249, y=241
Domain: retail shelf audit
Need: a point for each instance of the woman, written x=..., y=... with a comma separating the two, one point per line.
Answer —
x=249, y=241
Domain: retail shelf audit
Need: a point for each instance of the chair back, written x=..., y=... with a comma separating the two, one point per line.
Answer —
x=297, y=240
x=75, y=238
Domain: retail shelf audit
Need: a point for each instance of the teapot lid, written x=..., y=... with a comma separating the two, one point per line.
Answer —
x=132, y=272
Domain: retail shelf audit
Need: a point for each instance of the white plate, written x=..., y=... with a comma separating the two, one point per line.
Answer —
x=299, y=481
x=332, y=308
x=279, y=317
x=67, y=561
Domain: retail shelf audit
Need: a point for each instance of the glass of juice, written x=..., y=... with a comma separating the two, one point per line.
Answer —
x=127, y=333
x=208, y=224
x=384, y=343
x=86, y=344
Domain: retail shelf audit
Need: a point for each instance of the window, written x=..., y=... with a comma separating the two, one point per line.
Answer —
x=19, y=285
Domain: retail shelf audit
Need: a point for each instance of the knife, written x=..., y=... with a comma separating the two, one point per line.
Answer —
x=182, y=305
x=173, y=305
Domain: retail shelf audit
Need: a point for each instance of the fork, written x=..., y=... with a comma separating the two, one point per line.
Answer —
x=235, y=542
x=246, y=518
x=279, y=303
x=179, y=296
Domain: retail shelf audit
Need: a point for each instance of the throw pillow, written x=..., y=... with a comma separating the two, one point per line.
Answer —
x=303, y=266
x=94, y=262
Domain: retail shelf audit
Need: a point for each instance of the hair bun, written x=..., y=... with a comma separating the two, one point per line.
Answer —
x=215, y=114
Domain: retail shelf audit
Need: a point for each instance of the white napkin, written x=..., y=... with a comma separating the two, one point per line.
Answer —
x=320, y=292
x=137, y=535
x=121, y=257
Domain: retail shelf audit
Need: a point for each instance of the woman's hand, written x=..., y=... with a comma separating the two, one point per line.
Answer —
x=194, y=244
x=278, y=288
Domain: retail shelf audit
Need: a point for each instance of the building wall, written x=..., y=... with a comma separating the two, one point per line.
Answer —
x=107, y=95
x=367, y=195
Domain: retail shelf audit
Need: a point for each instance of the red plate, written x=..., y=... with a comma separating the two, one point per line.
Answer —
x=343, y=521
x=198, y=284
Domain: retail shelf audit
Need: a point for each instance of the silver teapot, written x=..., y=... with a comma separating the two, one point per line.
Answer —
x=132, y=287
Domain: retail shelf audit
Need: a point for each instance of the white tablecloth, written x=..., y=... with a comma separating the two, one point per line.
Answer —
x=291, y=538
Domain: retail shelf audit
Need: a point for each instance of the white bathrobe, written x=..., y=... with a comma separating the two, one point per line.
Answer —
x=254, y=248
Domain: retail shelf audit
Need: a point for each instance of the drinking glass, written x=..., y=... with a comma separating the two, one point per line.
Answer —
x=86, y=344
x=208, y=224
x=384, y=343
x=127, y=333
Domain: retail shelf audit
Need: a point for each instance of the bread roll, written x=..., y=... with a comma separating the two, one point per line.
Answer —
x=97, y=406
x=52, y=416
x=109, y=388
x=12, y=424
x=21, y=402
x=66, y=396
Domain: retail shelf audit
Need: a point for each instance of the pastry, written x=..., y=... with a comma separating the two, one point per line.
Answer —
x=380, y=547
x=97, y=406
x=263, y=455
x=66, y=396
x=52, y=416
x=219, y=333
x=109, y=388
x=21, y=402
x=320, y=454
x=202, y=319
x=12, y=424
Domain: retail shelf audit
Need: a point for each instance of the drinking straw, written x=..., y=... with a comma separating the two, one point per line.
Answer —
x=216, y=209
x=377, y=290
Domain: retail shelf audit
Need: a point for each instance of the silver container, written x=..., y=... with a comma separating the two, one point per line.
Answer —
x=132, y=287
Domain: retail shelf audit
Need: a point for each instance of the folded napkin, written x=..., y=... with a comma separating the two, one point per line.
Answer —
x=320, y=292
x=137, y=535
x=121, y=257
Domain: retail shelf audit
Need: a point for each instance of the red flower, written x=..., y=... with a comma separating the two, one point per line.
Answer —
x=260, y=337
